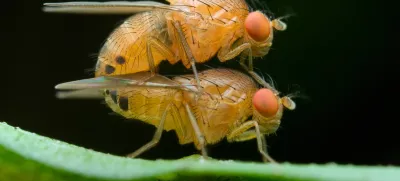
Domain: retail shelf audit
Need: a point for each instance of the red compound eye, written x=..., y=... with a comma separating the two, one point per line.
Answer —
x=257, y=26
x=265, y=102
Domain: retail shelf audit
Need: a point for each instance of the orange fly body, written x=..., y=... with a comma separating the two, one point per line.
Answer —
x=231, y=105
x=191, y=31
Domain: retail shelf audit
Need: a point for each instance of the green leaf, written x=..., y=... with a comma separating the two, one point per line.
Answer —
x=27, y=156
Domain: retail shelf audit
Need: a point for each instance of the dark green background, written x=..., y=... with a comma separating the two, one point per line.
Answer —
x=334, y=52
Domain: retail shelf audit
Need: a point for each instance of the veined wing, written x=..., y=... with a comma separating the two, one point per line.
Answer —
x=110, y=7
x=92, y=88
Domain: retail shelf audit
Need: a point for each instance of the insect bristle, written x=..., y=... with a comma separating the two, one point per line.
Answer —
x=296, y=92
x=93, y=57
x=260, y=6
x=263, y=74
x=287, y=13
x=211, y=67
x=90, y=71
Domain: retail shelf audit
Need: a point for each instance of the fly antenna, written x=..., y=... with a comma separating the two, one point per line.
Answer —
x=286, y=16
x=296, y=92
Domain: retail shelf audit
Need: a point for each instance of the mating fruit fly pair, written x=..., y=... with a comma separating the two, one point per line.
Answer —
x=203, y=107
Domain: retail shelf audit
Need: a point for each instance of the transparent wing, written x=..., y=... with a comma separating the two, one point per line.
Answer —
x=111, y=7
x=93, y=88
x=80, y=94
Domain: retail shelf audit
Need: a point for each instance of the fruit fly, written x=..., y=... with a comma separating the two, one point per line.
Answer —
x=229, y=98
x=191, y=31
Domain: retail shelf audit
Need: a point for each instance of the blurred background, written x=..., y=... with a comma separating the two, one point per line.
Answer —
x=333, y=52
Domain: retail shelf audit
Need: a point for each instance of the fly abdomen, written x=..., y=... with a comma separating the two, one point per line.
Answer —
x=144, y=104
x=125, y=51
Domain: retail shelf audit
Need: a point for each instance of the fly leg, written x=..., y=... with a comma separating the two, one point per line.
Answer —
x=264, y=146
x=223, y=56
x=159, y=46
x=255, y=76
x=196, y=128
x=157, y=134
x=155, y=44
x=188, y=52
x=242, y=133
